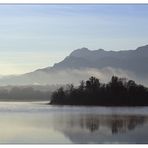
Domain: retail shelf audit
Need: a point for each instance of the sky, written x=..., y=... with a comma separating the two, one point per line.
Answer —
x=37, y=36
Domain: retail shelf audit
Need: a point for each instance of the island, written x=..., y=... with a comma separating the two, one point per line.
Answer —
x=117, y=92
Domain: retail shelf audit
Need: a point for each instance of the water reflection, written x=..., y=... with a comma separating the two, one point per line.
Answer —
x=91, y=123
x=43, y=124
x=103, y=128
x=125, y=124
x=116, y=123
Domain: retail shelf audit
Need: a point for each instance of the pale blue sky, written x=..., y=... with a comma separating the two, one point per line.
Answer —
x=37, y=36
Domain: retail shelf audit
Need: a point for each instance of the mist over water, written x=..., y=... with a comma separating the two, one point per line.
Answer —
x=36, y=122
x=71, y=76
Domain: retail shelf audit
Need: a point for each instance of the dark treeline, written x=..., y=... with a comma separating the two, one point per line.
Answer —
x=23, y=94
x=117, y=92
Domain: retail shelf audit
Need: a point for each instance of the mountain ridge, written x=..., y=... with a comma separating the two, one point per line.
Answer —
x=98, y=58
x=83, y=62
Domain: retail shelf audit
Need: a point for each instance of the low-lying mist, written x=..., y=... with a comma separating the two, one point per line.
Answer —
x=67, y=76
x=39, y=85
x=76, y=75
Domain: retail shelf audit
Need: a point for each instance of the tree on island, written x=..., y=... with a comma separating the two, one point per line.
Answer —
x=117, y=92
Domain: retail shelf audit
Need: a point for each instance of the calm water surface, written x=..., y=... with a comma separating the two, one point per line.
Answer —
x=40, y=123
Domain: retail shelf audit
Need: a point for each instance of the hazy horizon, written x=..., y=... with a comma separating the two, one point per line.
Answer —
x=37, y=36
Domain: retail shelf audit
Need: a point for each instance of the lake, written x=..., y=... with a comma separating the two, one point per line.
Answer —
x=36, y=122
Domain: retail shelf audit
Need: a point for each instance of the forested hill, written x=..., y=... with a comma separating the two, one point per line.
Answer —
x=117, y=92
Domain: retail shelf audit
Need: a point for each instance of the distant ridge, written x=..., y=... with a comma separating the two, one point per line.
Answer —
x=131, y=60
x=83, y=62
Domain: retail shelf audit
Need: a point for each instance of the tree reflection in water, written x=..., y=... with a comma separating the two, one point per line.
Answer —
x=117, y=124
x=94, y=128
x=92, y=124
x=126, y=123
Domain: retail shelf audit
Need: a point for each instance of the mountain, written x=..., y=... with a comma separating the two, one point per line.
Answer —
x=82, y=63
x=131, y=60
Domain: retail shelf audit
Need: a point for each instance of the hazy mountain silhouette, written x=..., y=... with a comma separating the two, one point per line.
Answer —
x=131, y=60
x=82, y=63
